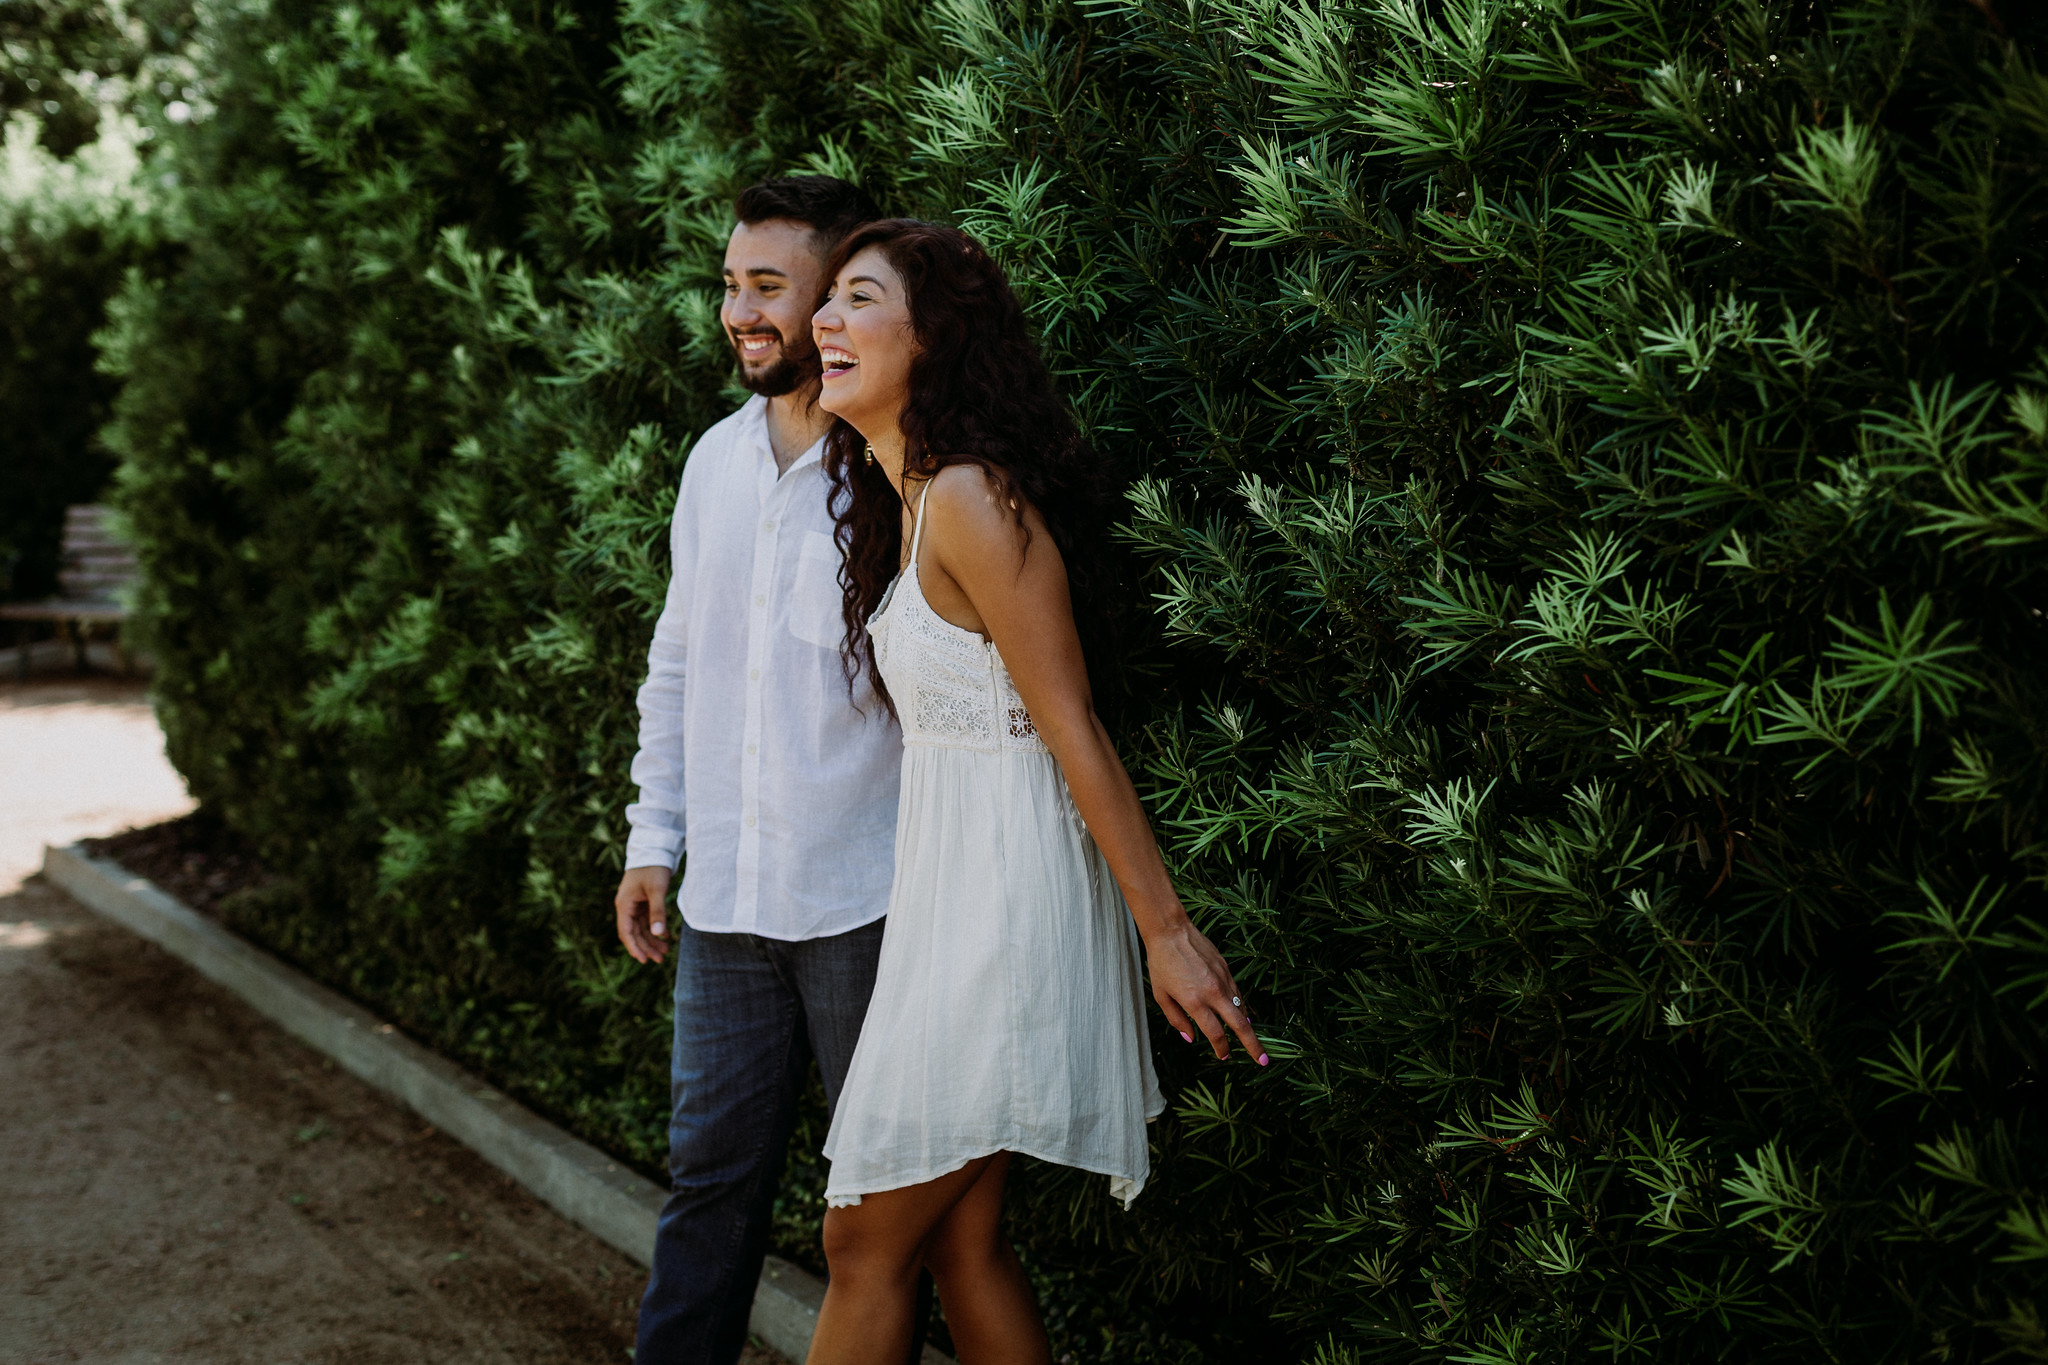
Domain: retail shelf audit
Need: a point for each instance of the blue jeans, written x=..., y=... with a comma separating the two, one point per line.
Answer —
x=750, y=1014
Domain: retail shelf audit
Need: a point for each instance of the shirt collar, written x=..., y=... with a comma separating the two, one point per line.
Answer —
x=756, y=409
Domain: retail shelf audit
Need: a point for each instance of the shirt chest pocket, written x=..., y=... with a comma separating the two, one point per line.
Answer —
x=814, y=598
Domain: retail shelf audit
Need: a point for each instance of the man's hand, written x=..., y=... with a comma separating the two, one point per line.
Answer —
x=642, y=905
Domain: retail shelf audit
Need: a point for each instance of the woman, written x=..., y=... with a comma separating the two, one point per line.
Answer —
x=1008, y=1012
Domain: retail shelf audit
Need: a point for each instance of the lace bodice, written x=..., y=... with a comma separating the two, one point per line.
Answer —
x=950, y=686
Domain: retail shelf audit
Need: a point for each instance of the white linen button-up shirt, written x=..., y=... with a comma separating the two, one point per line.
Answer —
x=791, y=779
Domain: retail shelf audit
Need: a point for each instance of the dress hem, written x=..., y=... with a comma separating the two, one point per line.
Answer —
x=842, y=1199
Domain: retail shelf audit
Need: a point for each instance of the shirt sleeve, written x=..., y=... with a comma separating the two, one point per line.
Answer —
x=656, y=820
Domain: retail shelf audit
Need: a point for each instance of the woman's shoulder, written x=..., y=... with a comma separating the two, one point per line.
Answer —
x=975, y=515
x=975, y=497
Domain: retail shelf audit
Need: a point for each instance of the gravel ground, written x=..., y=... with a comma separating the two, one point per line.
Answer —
x=185, y=1183
x=182, y=1182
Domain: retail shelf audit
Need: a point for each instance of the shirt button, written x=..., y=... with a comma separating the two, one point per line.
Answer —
x=750, y=822
x=767, y=525
x=760, y=599
x=753, y=748
x=754, y=675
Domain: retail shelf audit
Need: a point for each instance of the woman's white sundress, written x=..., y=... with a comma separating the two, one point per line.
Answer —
x=1009, y=1004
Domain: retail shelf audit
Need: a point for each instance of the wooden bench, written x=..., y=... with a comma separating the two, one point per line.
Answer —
x=93, y=579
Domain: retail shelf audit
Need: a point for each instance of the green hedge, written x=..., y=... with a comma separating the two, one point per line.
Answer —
x=80, y=207
x=1588, y=458
x=70, y=230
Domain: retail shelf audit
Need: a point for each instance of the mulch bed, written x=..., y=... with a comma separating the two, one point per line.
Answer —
x=194, y=858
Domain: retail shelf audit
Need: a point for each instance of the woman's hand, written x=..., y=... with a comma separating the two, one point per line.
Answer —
x=1194, y=986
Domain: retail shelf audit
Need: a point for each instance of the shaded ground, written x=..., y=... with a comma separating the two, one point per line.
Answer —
x=184, y=1183
x=180, y=1182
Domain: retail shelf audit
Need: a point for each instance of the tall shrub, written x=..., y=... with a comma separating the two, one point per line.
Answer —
x=78, y=210
x=349, y=511
x=1595, y=502
x=69, y=231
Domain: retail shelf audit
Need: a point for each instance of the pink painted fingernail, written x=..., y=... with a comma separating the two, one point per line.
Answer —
x=1187, y=1037
x=1263, y=1059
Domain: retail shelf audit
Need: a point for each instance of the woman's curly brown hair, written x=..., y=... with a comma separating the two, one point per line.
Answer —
x=979, y=394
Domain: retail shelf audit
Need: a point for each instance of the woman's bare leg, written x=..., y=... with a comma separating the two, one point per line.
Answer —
x=990, y=1308
x=875, y=1250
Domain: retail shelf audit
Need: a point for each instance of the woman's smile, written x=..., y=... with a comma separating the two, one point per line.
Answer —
x=865, y=346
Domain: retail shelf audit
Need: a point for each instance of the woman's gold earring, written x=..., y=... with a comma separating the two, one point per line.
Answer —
x=871, y=452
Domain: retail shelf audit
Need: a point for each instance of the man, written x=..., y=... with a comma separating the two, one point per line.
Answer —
x=791, y=784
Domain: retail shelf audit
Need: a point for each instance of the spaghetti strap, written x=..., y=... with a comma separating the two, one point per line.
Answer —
x=917, y=523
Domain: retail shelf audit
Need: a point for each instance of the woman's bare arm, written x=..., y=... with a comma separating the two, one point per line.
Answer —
x=979, y=572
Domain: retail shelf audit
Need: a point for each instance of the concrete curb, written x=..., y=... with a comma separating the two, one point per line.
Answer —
x=570, y=1176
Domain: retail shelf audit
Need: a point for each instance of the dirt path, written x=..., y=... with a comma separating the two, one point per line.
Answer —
x=77, y=757
x=181, y=1182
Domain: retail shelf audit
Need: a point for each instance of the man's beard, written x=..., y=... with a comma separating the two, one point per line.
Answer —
x=790, y=372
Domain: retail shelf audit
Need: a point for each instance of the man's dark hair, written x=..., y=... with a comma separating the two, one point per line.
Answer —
x=829, y=206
